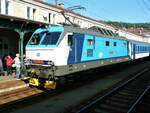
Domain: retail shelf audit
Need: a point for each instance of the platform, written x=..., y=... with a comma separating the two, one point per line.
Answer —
x=9, y=85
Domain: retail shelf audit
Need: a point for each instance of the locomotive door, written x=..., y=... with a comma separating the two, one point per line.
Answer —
x=75, y=48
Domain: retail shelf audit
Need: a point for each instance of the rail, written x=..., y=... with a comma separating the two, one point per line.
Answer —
x=133, y=107
x=86, y=108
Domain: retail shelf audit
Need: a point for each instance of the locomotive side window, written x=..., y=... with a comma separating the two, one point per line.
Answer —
x=70, y=40
x=89, y=52
x=115, y=43
x=107, y=43
x=90, y=42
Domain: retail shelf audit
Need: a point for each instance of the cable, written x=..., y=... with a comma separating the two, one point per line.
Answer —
x=142, y=8
x=147, y=6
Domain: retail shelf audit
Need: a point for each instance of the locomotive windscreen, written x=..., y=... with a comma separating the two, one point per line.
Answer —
x=45, y=38
x=50, y=38
x=35, y=40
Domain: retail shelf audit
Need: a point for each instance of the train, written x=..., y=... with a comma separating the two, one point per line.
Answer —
x=56, y=52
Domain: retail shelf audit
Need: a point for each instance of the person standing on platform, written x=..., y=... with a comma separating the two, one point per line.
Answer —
x=8, y=61
x=18, y=65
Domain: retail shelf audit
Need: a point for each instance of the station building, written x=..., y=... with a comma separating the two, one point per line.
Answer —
x=19, y=18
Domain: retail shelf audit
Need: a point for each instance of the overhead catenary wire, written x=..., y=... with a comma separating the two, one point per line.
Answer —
x=102, y=14
x=142, y=8
x=146, y=5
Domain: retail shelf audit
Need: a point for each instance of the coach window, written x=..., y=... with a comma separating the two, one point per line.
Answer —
x=138, y=48
x=70, y=40
x=142, y=48
x=107, y=43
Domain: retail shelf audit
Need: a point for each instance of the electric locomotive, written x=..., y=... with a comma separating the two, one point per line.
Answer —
x=58, y=51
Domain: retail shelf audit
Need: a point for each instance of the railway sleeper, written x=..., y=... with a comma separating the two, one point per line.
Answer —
x=133, y=94
x=119, y=104
x=97, y=110
x=125, y=97
x=125, y=101
x=132, y=91
x=113, y=109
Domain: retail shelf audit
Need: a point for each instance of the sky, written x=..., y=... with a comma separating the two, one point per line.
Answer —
x=133, y=11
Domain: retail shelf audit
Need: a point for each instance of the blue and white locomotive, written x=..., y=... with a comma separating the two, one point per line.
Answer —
x=56, y=52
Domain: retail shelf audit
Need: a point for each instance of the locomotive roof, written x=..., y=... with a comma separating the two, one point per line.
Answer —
x=94, y=32
x=98, y=32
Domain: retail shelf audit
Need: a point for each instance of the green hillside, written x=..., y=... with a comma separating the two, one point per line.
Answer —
x=129, y=25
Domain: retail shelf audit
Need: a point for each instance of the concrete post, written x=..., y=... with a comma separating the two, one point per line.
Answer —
x=21, y=47
x=21, y=34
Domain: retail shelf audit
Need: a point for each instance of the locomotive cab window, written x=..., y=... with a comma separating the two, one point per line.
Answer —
x=70, y=40
x=35, y=39
x=51, y=38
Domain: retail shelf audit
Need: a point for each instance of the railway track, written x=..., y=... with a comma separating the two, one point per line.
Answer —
x=123, y=99
x=29, y=96
x=11, y=99
x=142, y=105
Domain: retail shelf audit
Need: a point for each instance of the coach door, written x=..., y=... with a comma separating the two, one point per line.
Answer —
x=134, y=51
